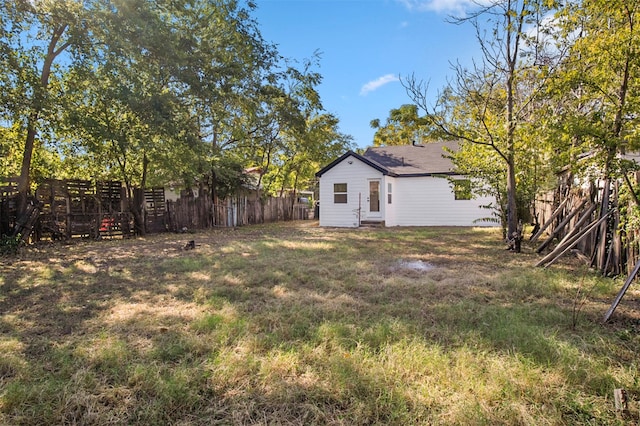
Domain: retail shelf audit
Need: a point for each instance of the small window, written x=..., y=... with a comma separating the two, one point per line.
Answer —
x=462, y=189
x=340, y=193
x=389, y=193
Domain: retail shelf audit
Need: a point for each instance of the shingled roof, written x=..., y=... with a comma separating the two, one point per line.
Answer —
x=405, y=160
x=411, y=160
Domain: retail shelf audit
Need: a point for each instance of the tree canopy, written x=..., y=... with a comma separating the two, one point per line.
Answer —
x=404, y=126
x=556, y=85
x=490, y=103
x=184, y=93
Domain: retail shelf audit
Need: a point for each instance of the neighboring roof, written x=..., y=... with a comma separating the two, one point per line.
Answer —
x=406, y=160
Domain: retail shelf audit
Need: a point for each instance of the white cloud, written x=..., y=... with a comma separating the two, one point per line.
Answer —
x=378, y=83
x=456, y=7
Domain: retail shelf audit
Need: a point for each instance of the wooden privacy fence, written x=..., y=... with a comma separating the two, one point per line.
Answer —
x=80, y=208
x=585, y=220
x=8, y=204
x=589, y=221
x=201, y=212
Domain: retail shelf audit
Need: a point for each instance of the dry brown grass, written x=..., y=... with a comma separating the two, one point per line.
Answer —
x=294, y=324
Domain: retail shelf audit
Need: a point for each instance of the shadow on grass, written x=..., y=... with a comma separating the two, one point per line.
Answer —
x=285, y=325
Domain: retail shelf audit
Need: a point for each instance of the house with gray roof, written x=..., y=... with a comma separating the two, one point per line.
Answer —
x=408, y=185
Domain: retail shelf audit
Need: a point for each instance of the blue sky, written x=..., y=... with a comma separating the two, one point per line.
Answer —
x=366, y=45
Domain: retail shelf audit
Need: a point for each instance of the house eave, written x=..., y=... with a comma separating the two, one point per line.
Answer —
x=359, y=157
x=436, y=174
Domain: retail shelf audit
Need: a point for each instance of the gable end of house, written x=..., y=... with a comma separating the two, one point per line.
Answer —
x=365, y=160
x=397, y=186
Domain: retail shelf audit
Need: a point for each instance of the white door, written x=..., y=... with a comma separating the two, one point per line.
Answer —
x=373, y=200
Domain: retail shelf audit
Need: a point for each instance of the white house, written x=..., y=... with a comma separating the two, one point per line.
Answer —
x=409, y=185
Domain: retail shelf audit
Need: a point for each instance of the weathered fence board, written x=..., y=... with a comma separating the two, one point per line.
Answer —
x=600, y=233
x=8, y=204
x=200, y=212
x=70, y=208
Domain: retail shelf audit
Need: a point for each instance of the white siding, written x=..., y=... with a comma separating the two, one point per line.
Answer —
x=416, y=201
x=430, y=201
x=356, y=175
x=390, y=212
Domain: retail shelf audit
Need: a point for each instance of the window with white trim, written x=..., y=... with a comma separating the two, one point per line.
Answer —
x=389, y=190
x=462, y=189
x=340, y=193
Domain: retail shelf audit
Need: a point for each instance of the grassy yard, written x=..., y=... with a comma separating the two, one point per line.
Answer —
x=293, y=324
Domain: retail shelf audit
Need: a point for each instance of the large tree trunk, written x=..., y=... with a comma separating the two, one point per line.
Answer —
x=136, y=206
x=513, y=231
x=23, y=180
x=37, y=106
x=512, y=45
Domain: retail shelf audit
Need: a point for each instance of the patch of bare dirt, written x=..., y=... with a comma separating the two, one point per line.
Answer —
x=413, y=265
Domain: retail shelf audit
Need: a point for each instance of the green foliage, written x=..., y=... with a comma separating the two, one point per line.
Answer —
x=494, y=103
x=304, y=152
x=295, y=137
x=229, y=177
x=9, y=245
x=152, y=93
x=482, y=163
x=596, y=90
x=462, y=189
x=11, y=145
x=403, y=127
